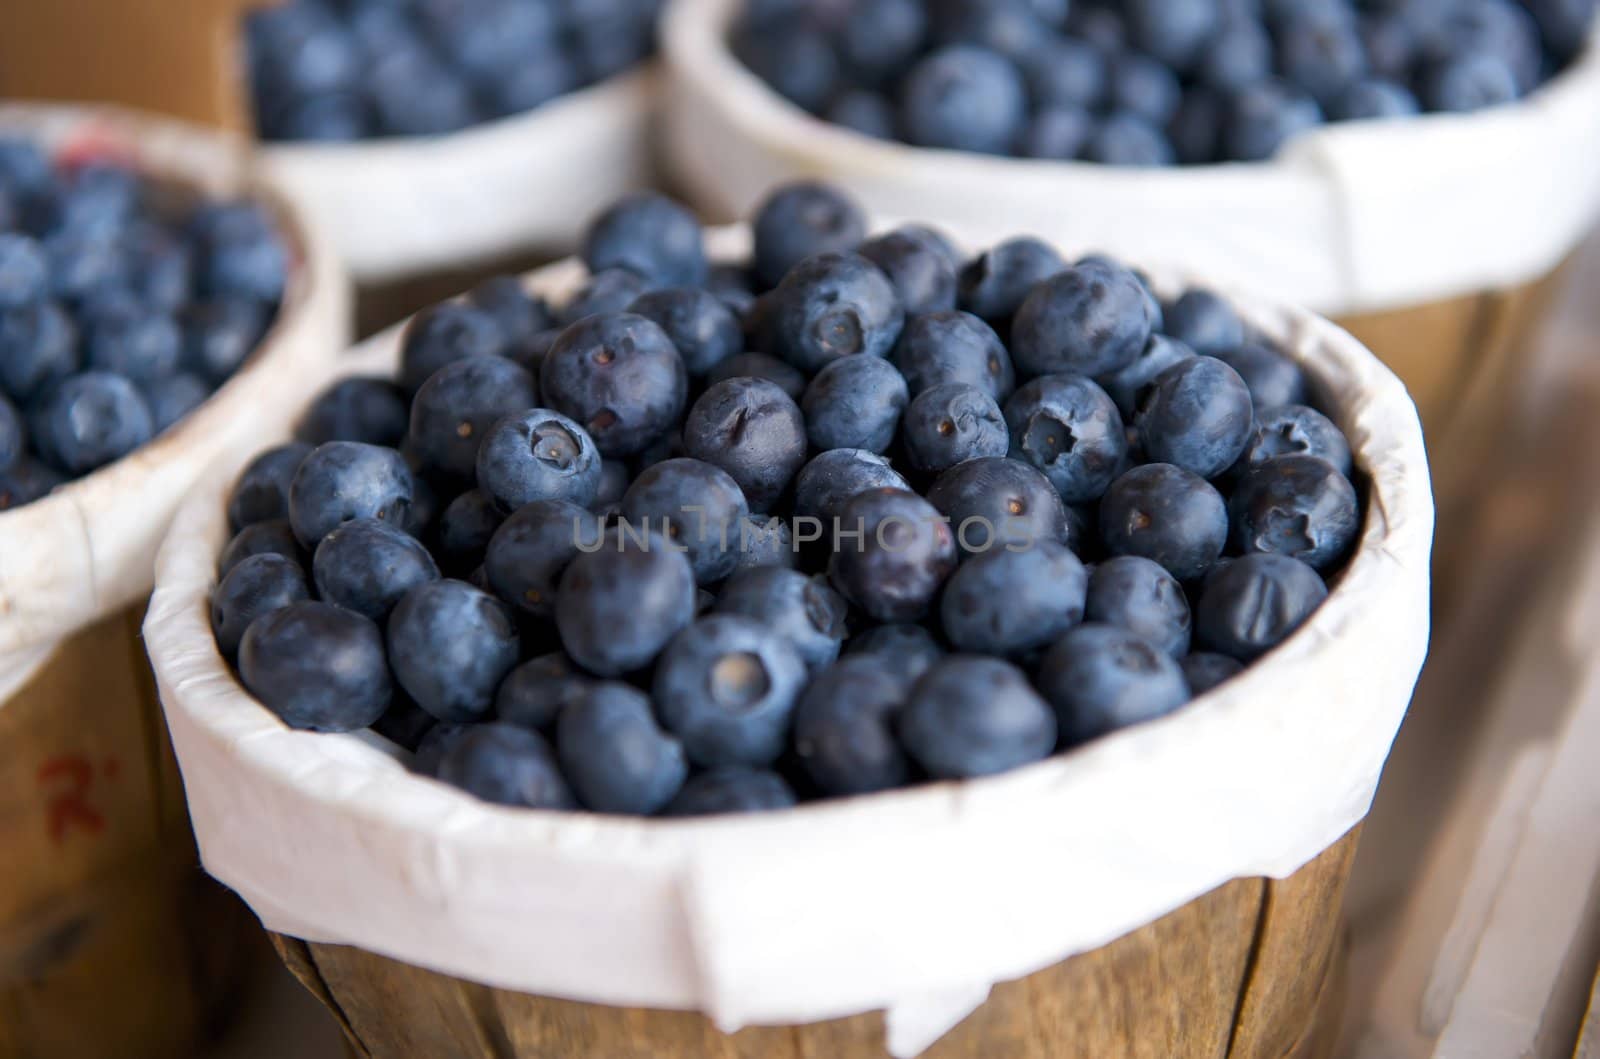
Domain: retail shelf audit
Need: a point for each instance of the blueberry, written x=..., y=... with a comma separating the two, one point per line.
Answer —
x=1321, y=53
x=610, y=291
x=1001, y=503
x=444, y=333
x=450, y=645
x=1003, y=602
x=535, y=694
x=752, y=430
x=506, y=765
x=1143, y=87
x=1089, y=320
x=464, y=530
x=1176, y=32
x=521, y=316
x=1124, y=387
x=405, y=724
x=1066, y=73
x=1101, y=678
x=333, y=118
x=1058, y=133
x=789, y=379
x=38, y=348
x=256, y=586
x=617, y=607
x=949, y=347
x=1295, y=505
x=173, y=397
x=84, y=264
x=835, y=305
x=1564, y=24
x=124, y=337
x=367, y=566
x=899, y=561
x=24, y=167
x=726, y=686
x=1254, y=603
x=793, y=57
x=1295, y=429
x=458, y=404
x=924, y=278
x=433, y=746
x=975, y=716
x=1272, y=378
x=218, y=336
x=1468, y=82
x=801, y=220
x=1167, y=514
x=904, y=651
x=720, y=791
x=1196, y=415
x=994, y=284
x=854, y=403
x=260, y=538
x=1205, y=322
x=162, y=267
x=1069, y=429
x=239, y=253
x=1196, y=130
x=616, y=757
x=1129, y=140
x=832, y=478
x=801, y=609
x=317, y=666
x=90, y=420
x=764, y=541
x=26, y=481
x=365, y=409
x=24, y=271
x=1265, y=115
x=1371, y=99
x=414, y=94
x=1203, y=671
x=345, y=480
x=733, y=285
x=868, y=113
x=650, y=234
x=698, y=506
x=703, y=330
x=615, y=477
x=13, y=436
x=537, y=455
x=1138, y=594
x=528, y=553
x=620, y=376
x=844, y=728
x=951, y=423
x=1238, y=56
x=880, y=38
x=966, y=98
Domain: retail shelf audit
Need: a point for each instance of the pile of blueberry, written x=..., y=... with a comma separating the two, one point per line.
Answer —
x=1148, y=82
x=123, y=305
x=339, y=70
x=855, y=514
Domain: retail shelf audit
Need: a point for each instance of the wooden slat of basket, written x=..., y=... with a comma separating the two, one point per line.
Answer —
x=1249, y=970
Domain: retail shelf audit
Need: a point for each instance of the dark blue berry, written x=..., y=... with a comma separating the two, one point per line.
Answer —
x=1003, y=602
x=801, y=609
x=617, y=607
x=880, y=38
x=1203, y=671
x=367, y=566
x=753, y=431
x=719, y=791
x=1294, y=429
x=610, y=291
x=435, y=744
x=522, y=316
x=904, y=651
x=90, y=420
x=844, y=728
x=1088, y=320
x=1141, y=86
x=458, y=404
x=1069, y=429
x=1272, y=378
x=1196, y=415
x=786, y=377
x=945, y=347
x=994, y=284
x=1101, y=678
x=38, y=348
x=765, y=541
x=1204, y=322
x=26, y=481
x=537, y=455
x=950, y=424
x=1129, y=140
x=1263, y=117
x=535, y=693
x=616, y=757
x=703, y=329
x=450, y=645
x=1058, y=133
x=792, y=56
x=924, y=277
x=219, y=335
x=1066, y=73
x=346, y=480
x=966, y=98
x=832, y=478
x=444, y=333
x=620, y=377
x=651, y=235
x=1371, y=99
x=1124, y=387
x=1468, y=82
x=1321, y=53
x=835, y=305
x=1167, y=514
x=975, y=716
x=506, y=765
x=1139, y=595
x=529, y=552
x=317, y=666
x=173, y=397
x=697, y=506
x=854, y=403
x=726, y=686
x=1254, y=603
x=1000, y=503
x=1238, y=56
x=1176, y=32
x=261, y=538
x=801, y=220
x=405, y=724
x=24, y=271
x=256, y=586
x=865, y=112
x=899, y=557
x=1295, y=505
x=239, y=253
x=125, y=337
x=365, y=409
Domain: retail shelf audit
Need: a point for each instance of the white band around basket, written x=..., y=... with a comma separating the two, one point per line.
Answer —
x=88, y=549
x=1350, y=218
x=915, y=901
x=398, y=207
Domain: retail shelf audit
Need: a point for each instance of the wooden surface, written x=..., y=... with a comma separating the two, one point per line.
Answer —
x=178, y=57
x=1251, y=970
x=112, y=942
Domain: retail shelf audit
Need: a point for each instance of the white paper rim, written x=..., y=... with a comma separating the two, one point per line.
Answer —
x=837, y=907
x=399, y=207
x=1355, y=217
x=88, y=549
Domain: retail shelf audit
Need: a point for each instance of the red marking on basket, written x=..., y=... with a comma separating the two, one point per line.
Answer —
x=67, y=780
x=96, y=144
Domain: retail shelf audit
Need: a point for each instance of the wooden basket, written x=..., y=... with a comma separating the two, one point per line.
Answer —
x=1252, y=970
x=112, y=942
